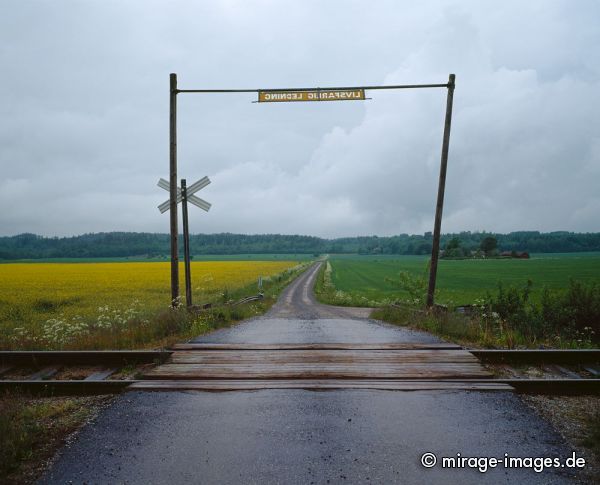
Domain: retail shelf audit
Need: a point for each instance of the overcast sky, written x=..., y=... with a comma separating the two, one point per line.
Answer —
x=84, y=115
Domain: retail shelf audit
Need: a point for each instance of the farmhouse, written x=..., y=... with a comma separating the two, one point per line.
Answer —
x=515, y=254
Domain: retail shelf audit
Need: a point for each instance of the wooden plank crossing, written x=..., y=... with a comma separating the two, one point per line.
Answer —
x=318, y=371
x=392, y=366
x=321, y=356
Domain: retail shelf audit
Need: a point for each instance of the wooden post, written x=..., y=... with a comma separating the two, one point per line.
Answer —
x=435, y=250
x=173, y=190
x=186, y=244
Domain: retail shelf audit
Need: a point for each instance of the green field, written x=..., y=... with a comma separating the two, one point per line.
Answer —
x=461, y=281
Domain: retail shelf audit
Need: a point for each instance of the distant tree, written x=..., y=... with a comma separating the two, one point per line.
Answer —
x=424, y=248
x=454, y=243
x=489, y=244
x=119, y=244
x=454, y=249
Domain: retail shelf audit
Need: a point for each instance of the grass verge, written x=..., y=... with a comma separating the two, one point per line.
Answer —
x=32, y=429
x=447, y=325
x=472, y=330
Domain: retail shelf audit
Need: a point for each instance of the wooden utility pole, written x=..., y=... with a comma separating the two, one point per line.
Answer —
x=435, y=250
x=173, y=190
x=186, y=244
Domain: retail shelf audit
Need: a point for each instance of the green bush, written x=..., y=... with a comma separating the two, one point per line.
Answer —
x=572, y=314
x=575, y=312
x=512, y=303
x=583, y=305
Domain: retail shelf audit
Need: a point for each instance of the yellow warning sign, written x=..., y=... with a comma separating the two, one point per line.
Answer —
x=316, y=95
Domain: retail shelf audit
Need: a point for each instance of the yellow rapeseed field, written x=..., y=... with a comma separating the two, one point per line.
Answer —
x=48, y=305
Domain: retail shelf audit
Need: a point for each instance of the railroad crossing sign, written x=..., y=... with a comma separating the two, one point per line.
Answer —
x=195, y=187
x=185, y=195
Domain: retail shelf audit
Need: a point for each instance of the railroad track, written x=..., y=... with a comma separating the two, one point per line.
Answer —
x=223, y=367
x=75, y=372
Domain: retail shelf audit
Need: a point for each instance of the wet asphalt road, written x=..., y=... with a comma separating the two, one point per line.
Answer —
x=302, y=437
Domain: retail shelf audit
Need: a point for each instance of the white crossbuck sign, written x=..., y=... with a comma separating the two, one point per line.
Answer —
x=192, y=199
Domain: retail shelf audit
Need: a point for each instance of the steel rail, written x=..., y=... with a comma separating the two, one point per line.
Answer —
x=66, y=387
x=80, y=387
x=553, y=386
x=81, y=357
x=538, y=356
x=565, y=387
x=35, y=357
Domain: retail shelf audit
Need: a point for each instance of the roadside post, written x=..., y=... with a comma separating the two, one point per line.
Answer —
x=173, y=189
x=435, y=248
x=186, y=245
x=184, y=195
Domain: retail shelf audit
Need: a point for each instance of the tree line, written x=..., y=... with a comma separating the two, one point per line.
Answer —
x=151, y=245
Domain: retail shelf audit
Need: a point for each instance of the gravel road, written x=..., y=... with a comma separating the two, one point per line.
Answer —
x=303, y=437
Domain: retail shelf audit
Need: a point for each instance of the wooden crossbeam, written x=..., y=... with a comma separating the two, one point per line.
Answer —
x=100, y=375
x=44, y=373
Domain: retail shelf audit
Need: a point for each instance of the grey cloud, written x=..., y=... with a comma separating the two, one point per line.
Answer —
x=84, y=115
